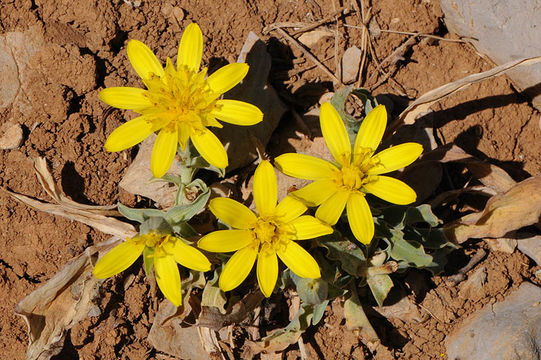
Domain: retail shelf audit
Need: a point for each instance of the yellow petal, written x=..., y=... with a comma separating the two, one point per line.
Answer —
x=130, y=134
x=143, y=60
x=168, y=278
x=395, y=158
x=190, y=257
x=299, y=261
x=118, y=259
x=335, y=134
x=163, y=152
x=190, y=50
x=289, y=209
x=237, y=268
x=360, y=218
x=304, y=166
x=267, y=271
x=237, y=112
x=308, y=227
x=233, y=213
x=333, y=207
x=125, y=98
x=316, y=193
x=391, y=190
x=226, y=240
x=210, y=148
x=371, y=130
x=265, y=188
x=227, y=77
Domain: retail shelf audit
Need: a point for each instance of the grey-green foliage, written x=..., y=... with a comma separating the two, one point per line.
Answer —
x=339, y=102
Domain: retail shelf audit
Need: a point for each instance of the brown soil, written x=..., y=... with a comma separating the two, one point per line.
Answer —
x=79, y=48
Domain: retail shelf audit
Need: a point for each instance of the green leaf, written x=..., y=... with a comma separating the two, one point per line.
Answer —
x=212, y=295
x=181, y=213
x=350, y=256
x=380, y=285
x=319, y=311
x=311, y=291
x=421, y=213
x=356, y=318
x=410, y=251
x=139, y=215
x=339, y=102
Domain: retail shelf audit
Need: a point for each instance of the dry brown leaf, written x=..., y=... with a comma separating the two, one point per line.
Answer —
x=212, y=318
x=424, y=102
x=518, y=207
x=99, y=222
x=488, y=174
x=60, y=303
x=170, y=335
x=51, y=188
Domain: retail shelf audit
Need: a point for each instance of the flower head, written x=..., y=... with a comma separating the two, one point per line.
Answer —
x=356, y=172
x=165, y=251
x=180, y=103
x=270, y=234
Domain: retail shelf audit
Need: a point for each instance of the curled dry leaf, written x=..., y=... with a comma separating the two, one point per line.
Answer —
x=518, y=207
x=53, y=190
x=94, y=216
x=99, y=222
x=424, y=102
x=488, y=174
x=61, y=302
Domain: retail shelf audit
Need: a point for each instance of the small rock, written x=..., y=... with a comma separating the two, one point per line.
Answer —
x=505, y=245
x=531, y=247
x=11, y=136
x=137, y=179
x=311, y=38
x=351, y=63
x=508, y=330
x=473, y=287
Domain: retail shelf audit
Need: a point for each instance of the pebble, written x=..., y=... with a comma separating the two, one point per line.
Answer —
x=11, y=136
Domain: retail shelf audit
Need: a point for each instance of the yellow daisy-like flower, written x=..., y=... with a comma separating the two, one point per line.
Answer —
x=270, y=234
x=180, y=103
x=354, y=174
x=165, y=250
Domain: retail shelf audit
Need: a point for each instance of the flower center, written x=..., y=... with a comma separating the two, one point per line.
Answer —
x=271, y=235
x=160, y=243
x=183, y=97
x=353, y=176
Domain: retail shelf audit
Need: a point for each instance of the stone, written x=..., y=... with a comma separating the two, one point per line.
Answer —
x=508, y=330
x=504, y=31
x=138, y=178
x=11, y=136
x=531, y=247
x=351, y=63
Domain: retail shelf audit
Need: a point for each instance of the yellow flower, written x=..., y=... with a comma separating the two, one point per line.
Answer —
x=179, y=103
x=165, y=250
x=354, y=174
x=274, y=231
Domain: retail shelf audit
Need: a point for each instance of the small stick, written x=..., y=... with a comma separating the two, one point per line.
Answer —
x=304, y=27
x=302, y=349
x=307, y=53
x=461, y=275
x=413, y=34
x=331, y=18
x=337, y=67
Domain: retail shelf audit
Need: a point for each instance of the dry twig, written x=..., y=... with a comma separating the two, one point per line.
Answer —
x=307, y=53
